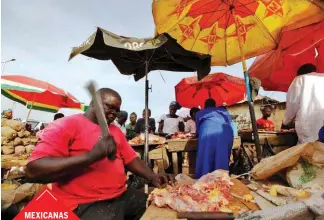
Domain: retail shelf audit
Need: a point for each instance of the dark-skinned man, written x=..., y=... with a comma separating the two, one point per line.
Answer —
x=120, y=121
x=265, y=123
x=73, y=156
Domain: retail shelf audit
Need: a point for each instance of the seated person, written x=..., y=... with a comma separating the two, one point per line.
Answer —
x=72, y=156
x=264, y=123
x=140, y=124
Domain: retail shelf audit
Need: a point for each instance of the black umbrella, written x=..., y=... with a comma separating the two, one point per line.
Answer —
x=133, y=56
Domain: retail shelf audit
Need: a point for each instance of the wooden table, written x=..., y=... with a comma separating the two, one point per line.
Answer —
x=189, y=148
x=274, y=138
x=156, y=154
x=279, y=140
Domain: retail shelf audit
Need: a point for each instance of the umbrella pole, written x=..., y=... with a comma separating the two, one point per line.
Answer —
x=248, y=90
x=28, y=114
x=146, y=159
x=146, y=147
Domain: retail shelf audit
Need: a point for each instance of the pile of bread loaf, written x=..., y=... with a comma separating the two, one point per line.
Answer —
x=15, y=139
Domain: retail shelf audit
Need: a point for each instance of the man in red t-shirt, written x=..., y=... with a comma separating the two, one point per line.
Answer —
x=73, y=156
x=264, y=123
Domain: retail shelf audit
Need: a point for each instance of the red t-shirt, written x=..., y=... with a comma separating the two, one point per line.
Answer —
x=104, y=179
x=265, y=124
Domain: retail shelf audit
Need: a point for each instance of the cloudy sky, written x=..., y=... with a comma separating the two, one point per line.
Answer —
x=40, y=34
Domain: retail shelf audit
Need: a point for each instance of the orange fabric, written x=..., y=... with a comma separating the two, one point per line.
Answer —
x=221, y=87
x=277, y=68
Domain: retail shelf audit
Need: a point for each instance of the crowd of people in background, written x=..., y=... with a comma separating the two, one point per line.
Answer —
x=212, y=126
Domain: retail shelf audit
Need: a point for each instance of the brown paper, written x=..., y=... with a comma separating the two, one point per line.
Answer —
x=287, y=158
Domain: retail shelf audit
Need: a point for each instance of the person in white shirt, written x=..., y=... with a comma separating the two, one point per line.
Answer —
x=305, y=103
x=171, y=123
x=121, y=120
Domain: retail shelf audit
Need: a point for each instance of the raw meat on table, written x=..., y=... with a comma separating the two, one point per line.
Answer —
x=153, y=140
x=210, y=193
x=181, y=135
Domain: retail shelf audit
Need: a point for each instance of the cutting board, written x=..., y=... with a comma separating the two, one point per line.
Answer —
x=240, y=189
x=155, y=213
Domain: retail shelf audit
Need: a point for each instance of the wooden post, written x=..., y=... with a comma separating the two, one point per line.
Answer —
x=175, y=163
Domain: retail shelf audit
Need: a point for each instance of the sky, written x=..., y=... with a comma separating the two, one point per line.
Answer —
x=40, y=35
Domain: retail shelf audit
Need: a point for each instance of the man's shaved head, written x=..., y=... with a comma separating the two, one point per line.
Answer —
x=111, y=102
x=107, y=91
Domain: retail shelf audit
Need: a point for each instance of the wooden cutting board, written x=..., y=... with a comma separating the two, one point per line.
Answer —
x=241, y=189
x=155, y=213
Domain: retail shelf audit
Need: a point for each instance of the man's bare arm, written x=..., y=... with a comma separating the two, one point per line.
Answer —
x=52, y=169
x=138, y=167
x=161, y=124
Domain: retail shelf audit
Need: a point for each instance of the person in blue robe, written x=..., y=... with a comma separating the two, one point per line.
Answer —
x=215, y=139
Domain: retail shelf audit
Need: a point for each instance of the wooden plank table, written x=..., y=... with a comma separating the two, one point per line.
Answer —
x=189, y=147
x=274, y=138
x=155, y=213
x=280, y=141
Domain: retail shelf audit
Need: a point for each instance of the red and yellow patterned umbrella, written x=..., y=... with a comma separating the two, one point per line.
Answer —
x=233, y=30
x=213, y=26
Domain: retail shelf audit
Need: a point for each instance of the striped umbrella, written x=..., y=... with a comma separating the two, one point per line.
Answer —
x=37, y=94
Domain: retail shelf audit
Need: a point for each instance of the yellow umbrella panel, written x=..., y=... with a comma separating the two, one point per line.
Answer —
x=213, y=26
x=233, y=30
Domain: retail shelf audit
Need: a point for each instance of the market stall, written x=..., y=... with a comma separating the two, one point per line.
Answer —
x=220, y=196
x=275, y=138
x=238, y=202
x=276, y=141
x=187, y=148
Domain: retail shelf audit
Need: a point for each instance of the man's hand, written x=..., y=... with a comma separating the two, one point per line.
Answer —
x=284, y=127
x=105, y=147
x=138, y=167
x=161, y=180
